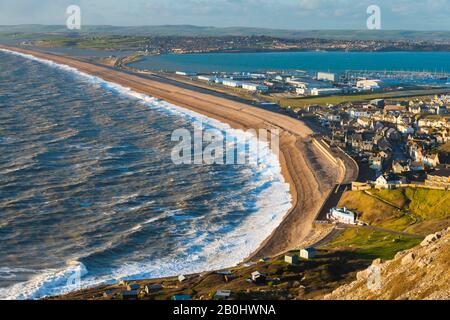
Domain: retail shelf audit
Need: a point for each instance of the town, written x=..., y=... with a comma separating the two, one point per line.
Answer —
x=396, y=141
x=173, y=44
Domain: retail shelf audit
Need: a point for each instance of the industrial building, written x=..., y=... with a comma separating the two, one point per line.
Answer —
x=231, y=83
x=255, y=87
x=325, y=91
x=207, y=78
x=326, y=76
x=368, y=84
x=186, y=73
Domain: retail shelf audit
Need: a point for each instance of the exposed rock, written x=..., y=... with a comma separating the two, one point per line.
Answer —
x=431, y=238
x=419, y=273
x=408, y=258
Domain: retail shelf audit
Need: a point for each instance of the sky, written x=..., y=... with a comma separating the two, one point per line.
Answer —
x=280, y=14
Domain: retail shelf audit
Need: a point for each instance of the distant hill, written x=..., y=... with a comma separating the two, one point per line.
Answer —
x=190, y=30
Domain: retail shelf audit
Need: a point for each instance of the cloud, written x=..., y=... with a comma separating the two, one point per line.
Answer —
x=292, y=14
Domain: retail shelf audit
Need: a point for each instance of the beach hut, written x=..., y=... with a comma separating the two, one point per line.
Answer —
x=108, y=294
x=152, y=288
x=132, y=287
x=308, y=253
x=258, y=277
x=291, y=259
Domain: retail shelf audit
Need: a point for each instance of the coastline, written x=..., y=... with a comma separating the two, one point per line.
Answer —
x=306, y=190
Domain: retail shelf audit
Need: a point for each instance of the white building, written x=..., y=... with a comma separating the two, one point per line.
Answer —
x=405, y=129
x=186, y=73
x=231, y=83
x=325, y=91
x=369, y=84
x=308, y=253
x=255, y=87
x=342, y=216
x=207, y=78
x=326, y=76
x=355, y=113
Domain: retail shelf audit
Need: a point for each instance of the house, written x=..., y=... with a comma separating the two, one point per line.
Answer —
x=389, y=181
x=308, y=253
x=342, y=215
x=291, y=259
x=394, y=108
x=381, y=182
x=258, y=277
x=109, y=294
x=376, y=163
x=415, y=109
x=132, y=287
x=378, y=102
x=405, y=129
x=355, y=113
x=181, y=278
x=222, y=294
x=431, y=160
x=439, y=178
x=417, y=166
x=364, y=122
x=400, y=167
x=152, y=288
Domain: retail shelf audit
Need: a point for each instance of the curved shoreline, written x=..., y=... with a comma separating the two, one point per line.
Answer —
x=306, y=191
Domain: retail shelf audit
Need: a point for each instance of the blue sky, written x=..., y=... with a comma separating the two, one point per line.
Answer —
x=286, y=14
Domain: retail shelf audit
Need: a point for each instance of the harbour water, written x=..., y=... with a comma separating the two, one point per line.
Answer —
x=89, y=194
x=308, y=61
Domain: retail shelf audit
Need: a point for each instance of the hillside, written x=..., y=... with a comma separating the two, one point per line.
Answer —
x=418, y=273
x=418, y=211
x=190, y=30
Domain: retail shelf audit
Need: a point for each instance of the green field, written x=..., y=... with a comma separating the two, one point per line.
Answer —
x=368, y=244
x=100, y=43
x=419, y=211
x=307, y=101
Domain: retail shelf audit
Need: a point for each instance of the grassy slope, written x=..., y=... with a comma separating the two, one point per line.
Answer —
x=368, y=244
x=307, y=101
x=409, y=210
x=418, y=211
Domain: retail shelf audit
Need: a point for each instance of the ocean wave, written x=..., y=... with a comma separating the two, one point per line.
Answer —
x=231, y=248
x=46, y=283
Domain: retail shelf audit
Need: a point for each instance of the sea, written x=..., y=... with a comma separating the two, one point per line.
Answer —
x=311, y=61
x=89, y=194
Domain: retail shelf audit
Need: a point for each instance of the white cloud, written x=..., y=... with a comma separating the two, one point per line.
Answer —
x=294, y=14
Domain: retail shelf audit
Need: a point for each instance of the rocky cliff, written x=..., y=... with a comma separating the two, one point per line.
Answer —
x=419, y=273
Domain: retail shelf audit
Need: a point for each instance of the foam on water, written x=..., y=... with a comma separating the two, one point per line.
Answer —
x=201, y=255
